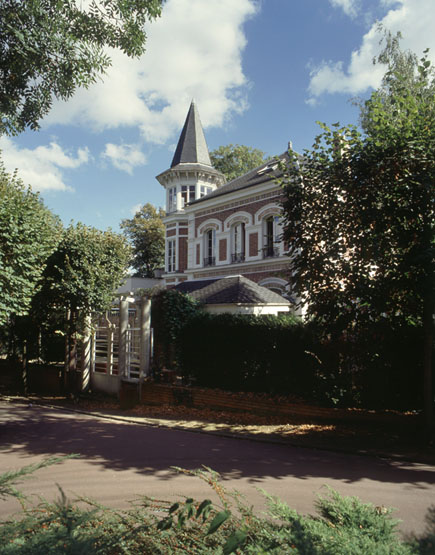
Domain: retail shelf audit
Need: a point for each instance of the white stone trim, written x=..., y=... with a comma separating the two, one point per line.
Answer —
x=212, y=223
x=268, y=210
x=238, y=217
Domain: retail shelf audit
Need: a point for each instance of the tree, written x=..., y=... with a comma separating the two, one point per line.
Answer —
x=48, y=48
x=146, y=233
x=360, y=212
x=235, y=160
x=29, y=233
x=85, y=270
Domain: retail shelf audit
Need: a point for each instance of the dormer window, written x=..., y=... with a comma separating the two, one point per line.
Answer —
x=272, y=166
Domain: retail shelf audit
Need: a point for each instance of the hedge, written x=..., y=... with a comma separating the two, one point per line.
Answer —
x=247, y=353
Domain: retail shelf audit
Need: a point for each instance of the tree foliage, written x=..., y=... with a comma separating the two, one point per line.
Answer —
x=170, y=312
x=85, y=270
x=48, y=48
x=360, y=210
x=235, y=160
x=29, y=233
x=146, y=233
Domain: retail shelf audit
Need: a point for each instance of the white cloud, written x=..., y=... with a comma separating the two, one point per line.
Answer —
x=124, y=157
x=41, y=167
x=135, y=209
x=193, y=51
x=350, y=7
x=415, y=19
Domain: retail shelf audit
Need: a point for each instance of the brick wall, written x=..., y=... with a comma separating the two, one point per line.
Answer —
x=259, y=276
x=182, y=254
x=253, y=244
x=222, y=249
x=157, y=394
x=245, y=206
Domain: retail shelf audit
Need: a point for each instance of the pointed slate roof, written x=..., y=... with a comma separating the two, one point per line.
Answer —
x=230, y=290
x=192, y=147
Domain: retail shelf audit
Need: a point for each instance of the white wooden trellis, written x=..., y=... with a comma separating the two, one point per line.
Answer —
x=121, y=346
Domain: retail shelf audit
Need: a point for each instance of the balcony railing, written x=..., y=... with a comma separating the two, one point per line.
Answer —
x=237, y=257
x=270, y=252
x=210, y=261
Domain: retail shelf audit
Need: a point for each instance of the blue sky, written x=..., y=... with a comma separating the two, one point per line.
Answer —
x=262, y=73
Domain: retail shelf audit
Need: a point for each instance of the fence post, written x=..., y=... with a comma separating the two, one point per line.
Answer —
x=123, y=326
x=86, y=354
x=109, y=357
x=145, y=341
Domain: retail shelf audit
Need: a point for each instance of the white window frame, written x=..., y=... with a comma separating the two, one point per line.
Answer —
x=172, y=199
x=238, y=242
x=188, y=193
x=204, y=190
x=209, y=245
x=171, y=255
x=270, y=240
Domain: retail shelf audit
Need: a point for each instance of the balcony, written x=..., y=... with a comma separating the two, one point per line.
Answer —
x=209, y=261
x=237, y=257
x=270, y=252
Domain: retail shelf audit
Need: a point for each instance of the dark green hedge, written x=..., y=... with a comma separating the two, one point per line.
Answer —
x=378, y=367
x=247, y=353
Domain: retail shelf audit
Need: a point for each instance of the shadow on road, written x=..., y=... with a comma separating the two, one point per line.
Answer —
x=118, y=446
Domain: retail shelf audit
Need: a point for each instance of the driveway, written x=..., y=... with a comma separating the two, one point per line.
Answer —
x=120, y=461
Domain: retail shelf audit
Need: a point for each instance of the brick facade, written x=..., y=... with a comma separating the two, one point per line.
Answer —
x=182, y=254
x=222, y=249
x=221, y=214
x=253, y=244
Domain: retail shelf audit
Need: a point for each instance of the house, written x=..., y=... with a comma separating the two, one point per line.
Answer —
x=235, y=294
x=133, y=284
x=216, y=229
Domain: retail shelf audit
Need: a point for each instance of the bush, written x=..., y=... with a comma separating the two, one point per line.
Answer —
x=344, y=525
x=375, y=367
x=170, y=310
x=247, y=353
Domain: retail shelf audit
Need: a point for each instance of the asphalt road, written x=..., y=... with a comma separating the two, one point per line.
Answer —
x=120, y=461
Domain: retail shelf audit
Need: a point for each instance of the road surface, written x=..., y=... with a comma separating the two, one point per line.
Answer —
x=120, y=461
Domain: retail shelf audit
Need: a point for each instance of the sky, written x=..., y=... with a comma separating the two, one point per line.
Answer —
x=262, y=73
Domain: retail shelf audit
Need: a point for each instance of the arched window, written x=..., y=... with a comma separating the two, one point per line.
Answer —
x=277, y=285
x=210, y=247
x=238, y=242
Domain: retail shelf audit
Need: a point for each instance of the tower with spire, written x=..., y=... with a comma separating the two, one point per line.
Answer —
x=190, y=177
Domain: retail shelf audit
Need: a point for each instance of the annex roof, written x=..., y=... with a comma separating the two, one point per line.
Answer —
x=231, y=290
x=192, y=147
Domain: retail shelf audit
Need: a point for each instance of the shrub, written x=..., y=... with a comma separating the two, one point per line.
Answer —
x=247, y=353
x=170, y=310
x=343, y=526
